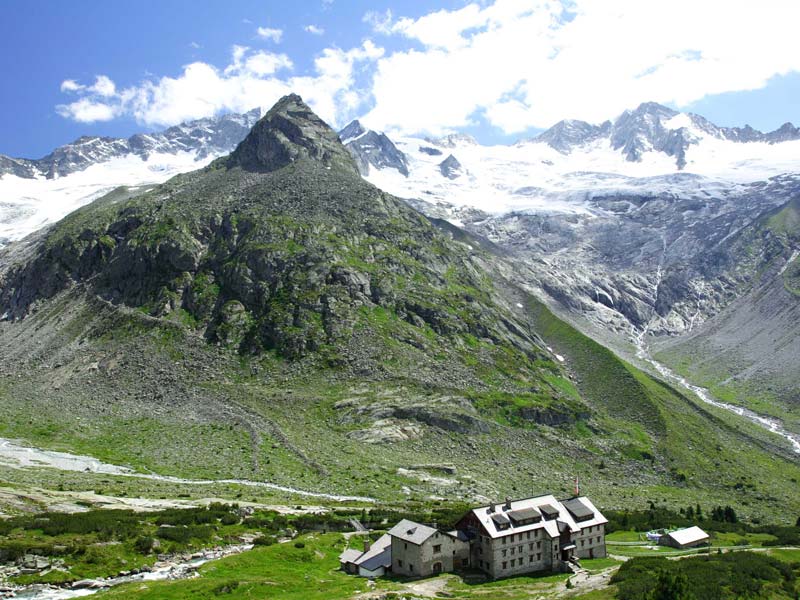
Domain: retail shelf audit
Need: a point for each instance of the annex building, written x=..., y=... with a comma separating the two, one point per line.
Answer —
x=502, y=540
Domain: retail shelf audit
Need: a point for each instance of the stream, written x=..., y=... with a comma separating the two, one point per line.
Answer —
x=166, y=570
x=770, y=423
x=16, y=455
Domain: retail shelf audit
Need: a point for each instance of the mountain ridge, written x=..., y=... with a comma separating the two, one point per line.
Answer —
x=203, y=136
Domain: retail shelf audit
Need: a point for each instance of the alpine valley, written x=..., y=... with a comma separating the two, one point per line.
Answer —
x=253, y=299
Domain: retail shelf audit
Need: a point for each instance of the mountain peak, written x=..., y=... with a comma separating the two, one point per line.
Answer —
x=351, y=131
x=290, y=131
x=654, y=108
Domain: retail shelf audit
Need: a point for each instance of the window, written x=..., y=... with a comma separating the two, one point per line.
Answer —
x=539, y=544
x=400, y=563
x=531, y=558
x=538, y=556
x=505, y=551
x=480, y=549
x=437, y=548
x=410, y=567
x=405, y=546
x=512, y=550
x=528, y=535
x=581, y=544
x=513, y=562
x=530, y=546
x=505, y=565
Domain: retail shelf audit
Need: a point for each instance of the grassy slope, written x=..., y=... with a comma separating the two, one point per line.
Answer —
x=667, y=448
x=702, y=449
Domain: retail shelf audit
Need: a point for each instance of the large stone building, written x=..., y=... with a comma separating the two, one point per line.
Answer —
x=534, y=534
x=513, y=538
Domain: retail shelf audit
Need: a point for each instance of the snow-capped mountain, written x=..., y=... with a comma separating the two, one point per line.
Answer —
x=372, y=149
x=34, y=193
x=212, y=136
x=652, y=150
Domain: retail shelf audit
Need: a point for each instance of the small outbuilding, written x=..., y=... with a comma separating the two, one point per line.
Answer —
x=691, y=537
x=373, y=562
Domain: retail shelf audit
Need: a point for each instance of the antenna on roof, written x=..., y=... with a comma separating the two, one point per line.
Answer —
x=577, y=487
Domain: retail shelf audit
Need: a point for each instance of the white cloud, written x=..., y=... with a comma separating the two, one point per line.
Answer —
x=103, y=86
x=528, y=64
x=86, y=110
x=515, y=63
x=70, y=85
x=314, y=29
x=268, y=33
x=381, y=22
x=195, y=45
x=253, y=78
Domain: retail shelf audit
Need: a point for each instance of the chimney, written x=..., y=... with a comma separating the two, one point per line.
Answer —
x=490, y=510
x=508, y=504
x=367, y=544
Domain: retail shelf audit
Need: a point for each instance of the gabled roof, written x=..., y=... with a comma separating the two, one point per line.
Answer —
x=379, y=554
x=351, y=555
x=409, y=531
x=689, y=535
x=540, y=504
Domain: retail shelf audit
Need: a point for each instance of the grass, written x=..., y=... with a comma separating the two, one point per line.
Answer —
x=625, y=536
x=280, y=571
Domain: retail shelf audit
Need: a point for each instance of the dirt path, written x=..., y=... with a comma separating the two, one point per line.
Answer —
x=584, y=582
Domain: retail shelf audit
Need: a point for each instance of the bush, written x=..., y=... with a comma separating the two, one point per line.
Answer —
x=264, y=540
x=144, y=544
x=712, y=577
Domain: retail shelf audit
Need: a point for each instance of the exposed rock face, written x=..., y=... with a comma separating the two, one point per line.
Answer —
x=288, y=132
x=205, y=137
x=451, y=168
x=372, y=149
x=565, y=135
x=430, y=151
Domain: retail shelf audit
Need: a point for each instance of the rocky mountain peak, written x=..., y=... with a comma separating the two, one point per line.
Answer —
x=372, y=149
x=351, y=131
x=290, y=131
x=566, y=134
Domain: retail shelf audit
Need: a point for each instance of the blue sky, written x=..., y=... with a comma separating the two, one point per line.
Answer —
x=499, y=69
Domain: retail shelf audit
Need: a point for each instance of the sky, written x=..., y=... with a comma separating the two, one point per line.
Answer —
x=500, y=70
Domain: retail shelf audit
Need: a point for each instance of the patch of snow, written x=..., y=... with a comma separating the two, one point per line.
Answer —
x=27, y=205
